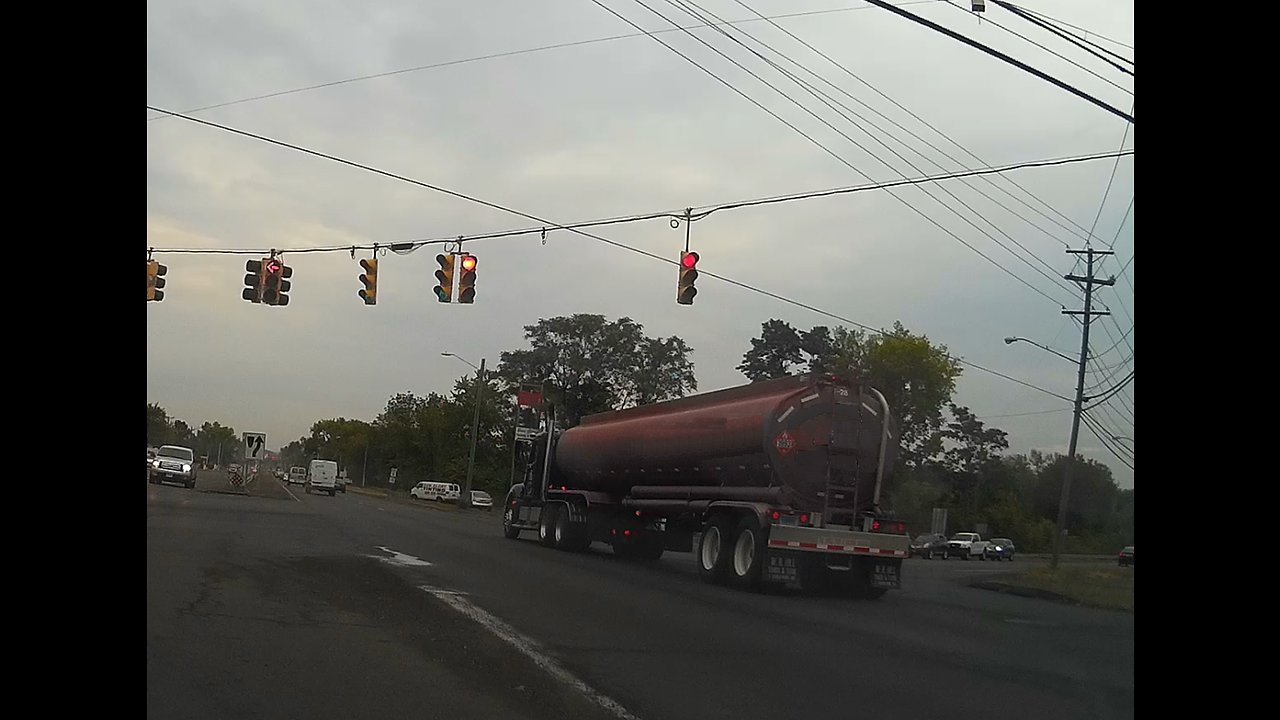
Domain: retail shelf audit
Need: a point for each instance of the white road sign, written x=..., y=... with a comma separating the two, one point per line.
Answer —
x=255, y=446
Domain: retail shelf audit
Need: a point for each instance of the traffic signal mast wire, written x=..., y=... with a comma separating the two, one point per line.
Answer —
x=577, y=230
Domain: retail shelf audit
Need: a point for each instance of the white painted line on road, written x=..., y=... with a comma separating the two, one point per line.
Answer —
x=286, y=489
x=530, y=649
x=399, y=558
x=440, y=591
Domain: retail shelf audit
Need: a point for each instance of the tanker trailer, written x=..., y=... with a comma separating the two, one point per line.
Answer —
x=779, y=479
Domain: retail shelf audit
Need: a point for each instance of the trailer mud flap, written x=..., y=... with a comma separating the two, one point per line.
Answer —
x=886, y=575
x=781, y=568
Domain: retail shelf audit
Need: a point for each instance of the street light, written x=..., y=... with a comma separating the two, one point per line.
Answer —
x=465, y=500
x=1011, y=340
x=1061, y=525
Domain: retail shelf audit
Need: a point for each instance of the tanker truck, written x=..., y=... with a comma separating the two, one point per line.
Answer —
x=780, y=480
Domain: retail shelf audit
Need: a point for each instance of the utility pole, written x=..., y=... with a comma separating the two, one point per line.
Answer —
x=364, y=468
x=1088, y=281
x=465, y=500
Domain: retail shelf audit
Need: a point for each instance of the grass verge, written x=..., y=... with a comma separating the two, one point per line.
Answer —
x=1110, y=588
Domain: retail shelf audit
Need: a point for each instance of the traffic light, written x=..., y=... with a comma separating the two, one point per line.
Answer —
x=252, y=281
x=688, y=274
x=370, y=279
x=467, y=282
x=275, y=283
x=444, y=291
x=155, y=280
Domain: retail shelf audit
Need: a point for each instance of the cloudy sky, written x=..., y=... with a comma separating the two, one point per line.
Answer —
x=621, y=127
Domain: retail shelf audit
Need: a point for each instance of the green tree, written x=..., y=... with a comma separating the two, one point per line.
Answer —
x=916, y=376
x=213, y=439
x=1094, y=494
x=158, y=429
x=588, y=364
x=973, y=453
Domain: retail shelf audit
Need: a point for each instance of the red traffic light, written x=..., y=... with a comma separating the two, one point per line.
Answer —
x=468, y=262
x=689, y=260
x=273, y=266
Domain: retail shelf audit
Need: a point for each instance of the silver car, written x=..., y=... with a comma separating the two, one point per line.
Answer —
x=481, y=499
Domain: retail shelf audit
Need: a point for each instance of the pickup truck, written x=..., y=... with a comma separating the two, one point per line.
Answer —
x=966, y=545
x=173, y=463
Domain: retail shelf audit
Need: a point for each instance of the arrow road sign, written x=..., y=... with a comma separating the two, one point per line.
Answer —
x=253, y=445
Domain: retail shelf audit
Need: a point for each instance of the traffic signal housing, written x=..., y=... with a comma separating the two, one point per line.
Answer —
x=467, y=281
x=444, y=290
x=688, y=274
x=252, y=281
x=369, y=293
x=275, y=282
x=155, y=281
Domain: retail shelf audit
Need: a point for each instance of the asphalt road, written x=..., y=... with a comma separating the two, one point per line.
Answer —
x=294, y=605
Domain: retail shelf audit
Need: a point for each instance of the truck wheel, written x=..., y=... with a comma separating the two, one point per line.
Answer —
x=749, y=544
x=509, y=531
x=566, y=535
x=714, y=552
x=546, y=534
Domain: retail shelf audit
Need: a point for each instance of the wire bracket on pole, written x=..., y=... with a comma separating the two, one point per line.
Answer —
x=544, y=236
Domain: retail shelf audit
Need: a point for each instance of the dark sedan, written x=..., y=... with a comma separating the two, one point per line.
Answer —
x=999, y=549
x=1125, y=559
x=926, y=545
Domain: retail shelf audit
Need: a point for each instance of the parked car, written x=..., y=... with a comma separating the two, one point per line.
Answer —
x=999, y=549
x=481, y=499
x=926, y=546
x=1125, y=559
x=966, y=545
x=173, y=463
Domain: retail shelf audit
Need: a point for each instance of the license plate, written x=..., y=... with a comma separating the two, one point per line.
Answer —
x=781, y=568
x=886, y=575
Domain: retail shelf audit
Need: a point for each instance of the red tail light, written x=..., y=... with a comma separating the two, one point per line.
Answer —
x=626, y=533
x=776, y=515
x=804, y=518
x=875, y=524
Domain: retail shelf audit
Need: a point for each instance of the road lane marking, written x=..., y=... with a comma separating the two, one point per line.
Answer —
x=399, y=558
x=529, y=648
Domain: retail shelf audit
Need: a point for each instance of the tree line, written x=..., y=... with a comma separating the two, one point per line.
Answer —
x=586, y=364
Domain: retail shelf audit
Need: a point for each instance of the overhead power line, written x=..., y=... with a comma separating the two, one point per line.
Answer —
x=805, y=135
x=1060, y=33
x=1083, y=30
x=695, y=213
x=827, y=100
x=614, y=243
x=996, y=53
x=843, y=68
x=1108, y=441
x=494, y=56
x=1103, y=397
x=1051, y=51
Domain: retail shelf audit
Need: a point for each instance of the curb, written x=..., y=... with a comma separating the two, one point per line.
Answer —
x=1022, y=591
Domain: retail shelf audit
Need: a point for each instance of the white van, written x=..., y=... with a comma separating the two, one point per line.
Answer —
x=322, y=476
x=297, y=475
x=438, y=491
